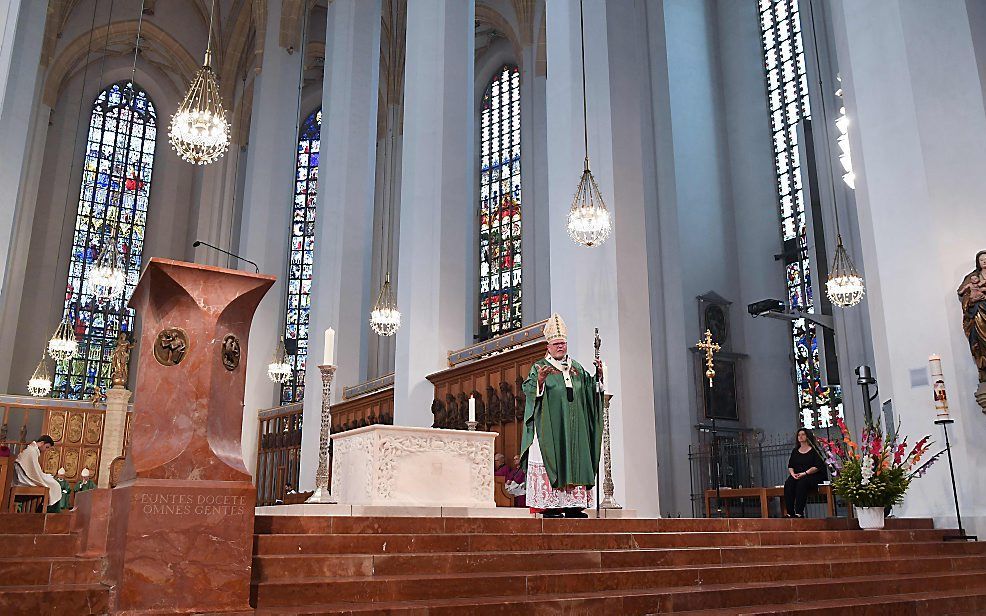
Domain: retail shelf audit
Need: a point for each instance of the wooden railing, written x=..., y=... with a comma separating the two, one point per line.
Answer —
x=278, y=452
x=365, y=404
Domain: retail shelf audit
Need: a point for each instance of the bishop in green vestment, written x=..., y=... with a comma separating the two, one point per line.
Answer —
x=562, y=429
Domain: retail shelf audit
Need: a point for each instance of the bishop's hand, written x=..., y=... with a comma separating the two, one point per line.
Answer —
x=599, y=368
x=543, y=372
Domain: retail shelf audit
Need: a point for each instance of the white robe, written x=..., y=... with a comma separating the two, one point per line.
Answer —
x=27, y=472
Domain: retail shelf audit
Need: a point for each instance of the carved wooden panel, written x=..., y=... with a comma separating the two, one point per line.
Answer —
x=366, y=410
x=278, y=452
x=496, y=383
x=78, y=436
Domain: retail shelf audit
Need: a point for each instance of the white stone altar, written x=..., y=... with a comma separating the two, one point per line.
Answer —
x=413, y=467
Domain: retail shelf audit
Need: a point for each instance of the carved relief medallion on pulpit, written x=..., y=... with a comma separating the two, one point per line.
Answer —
x=171, y=346
x=231, y=352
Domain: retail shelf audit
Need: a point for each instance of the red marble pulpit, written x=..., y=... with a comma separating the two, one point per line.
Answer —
x=181, y=526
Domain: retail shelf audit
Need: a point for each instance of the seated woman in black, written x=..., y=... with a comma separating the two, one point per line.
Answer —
x=806, y=470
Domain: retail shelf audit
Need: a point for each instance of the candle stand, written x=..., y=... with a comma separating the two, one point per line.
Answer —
x=322, y=494
x=962, y=536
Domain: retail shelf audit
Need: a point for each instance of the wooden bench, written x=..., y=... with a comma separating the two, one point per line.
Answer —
x=764, y=494
x=6, y=473
x=32, y=497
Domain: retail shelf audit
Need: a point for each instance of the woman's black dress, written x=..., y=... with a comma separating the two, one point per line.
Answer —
x=796, y=490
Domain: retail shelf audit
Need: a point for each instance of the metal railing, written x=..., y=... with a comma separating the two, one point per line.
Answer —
x=747, y=459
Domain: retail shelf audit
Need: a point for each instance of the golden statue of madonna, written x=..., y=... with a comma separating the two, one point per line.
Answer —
x=120, y=359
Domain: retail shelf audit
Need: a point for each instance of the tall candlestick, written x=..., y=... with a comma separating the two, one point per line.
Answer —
x=472, y=409
x=328, y=353
x=938, y=386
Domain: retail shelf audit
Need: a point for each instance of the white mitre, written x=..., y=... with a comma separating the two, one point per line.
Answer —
x=555, y=329
x=85, y=473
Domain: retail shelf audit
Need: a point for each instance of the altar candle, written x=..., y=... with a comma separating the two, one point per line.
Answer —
x=938, y=386
x=605, y=378
x=328, y=353
x=472, y=409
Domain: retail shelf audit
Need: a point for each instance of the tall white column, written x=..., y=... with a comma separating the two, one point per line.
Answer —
x=437, y=207
x=604, y=286
x=267, y=202
x=23, y=127
x=914, y=98
x=341, y=295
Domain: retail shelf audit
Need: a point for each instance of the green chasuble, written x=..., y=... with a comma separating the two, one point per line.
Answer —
x=569, y=433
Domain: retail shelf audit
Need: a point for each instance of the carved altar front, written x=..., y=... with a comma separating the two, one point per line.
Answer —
x=413, y=467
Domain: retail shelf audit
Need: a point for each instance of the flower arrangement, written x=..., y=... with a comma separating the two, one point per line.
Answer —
x=877, y=471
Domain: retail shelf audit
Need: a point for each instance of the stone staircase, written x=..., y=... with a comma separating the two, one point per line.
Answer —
x=40, y=573
x=476, y=566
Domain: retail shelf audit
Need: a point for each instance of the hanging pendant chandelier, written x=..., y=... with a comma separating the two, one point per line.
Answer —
x=385, y=318
x=589, y=222
x=845, y=286
x=40, y=382
x=279, y=370
x=199, y=132
x=63, y=345
x=108, y=277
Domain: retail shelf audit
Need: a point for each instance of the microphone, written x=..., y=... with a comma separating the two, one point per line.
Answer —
x=198, y=243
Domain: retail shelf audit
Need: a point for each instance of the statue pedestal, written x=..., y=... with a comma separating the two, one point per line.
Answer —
x=981, y=395
x=181, y=521
x=413, y=467
x=114, y=430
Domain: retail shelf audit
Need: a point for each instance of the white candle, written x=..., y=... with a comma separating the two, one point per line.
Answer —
x=472, y=409
x=605, y=378
x=328, y=353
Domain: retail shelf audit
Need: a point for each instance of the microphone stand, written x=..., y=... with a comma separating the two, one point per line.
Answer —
x=198, y=243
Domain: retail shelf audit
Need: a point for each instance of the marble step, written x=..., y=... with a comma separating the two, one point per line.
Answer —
x=62, y=600
x=947, y=603
x=418, y=525
x=35, y=523
x=286, y=567
x=683, y=587
x=38, y=545
x=375, y=543
x=42, y=571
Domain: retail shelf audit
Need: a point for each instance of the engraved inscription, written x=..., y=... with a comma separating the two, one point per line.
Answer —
x=191, y=504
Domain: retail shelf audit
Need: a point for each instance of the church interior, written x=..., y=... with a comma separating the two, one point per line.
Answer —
x=703, y=280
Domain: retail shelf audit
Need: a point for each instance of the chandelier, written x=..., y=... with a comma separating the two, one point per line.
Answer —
x=279, y=370
x=845, y=286
x=40, y=382
x=385, y=318
x=108, y=277
x=199, y=132
x=62, y=345
x=589, y=222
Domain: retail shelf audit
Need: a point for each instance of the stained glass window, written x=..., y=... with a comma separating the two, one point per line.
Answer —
x=499, y=222
x=299, y=295
x=787, y=99
x=116, y=182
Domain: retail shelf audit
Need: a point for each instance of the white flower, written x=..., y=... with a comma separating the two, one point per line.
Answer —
x=866, y=469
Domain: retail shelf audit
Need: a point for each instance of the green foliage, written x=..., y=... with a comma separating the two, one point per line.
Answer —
x=882, y=490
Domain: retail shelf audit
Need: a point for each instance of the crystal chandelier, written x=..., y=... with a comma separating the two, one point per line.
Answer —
x=62, y=345
x=199, y=132
x=279, y=370
x=845, y=286
x=108, y=277
x=589, y=222
x=385, y=318
x=40, y=382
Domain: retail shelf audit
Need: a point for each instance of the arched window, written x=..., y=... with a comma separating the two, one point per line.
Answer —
x=787, y=96
x=499, y=197
x=299, y=296
x=116, y=182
